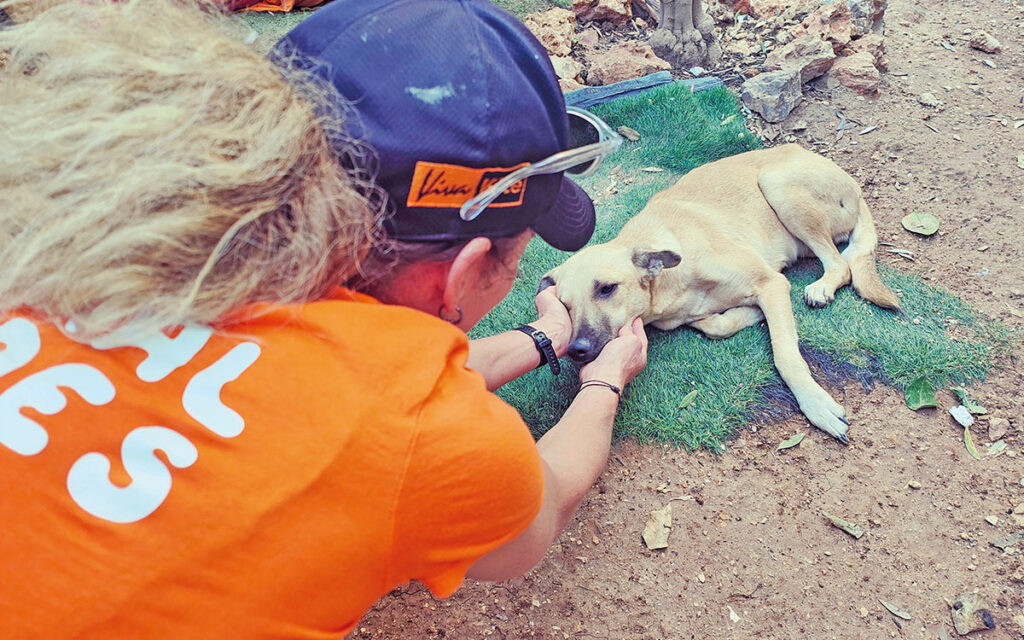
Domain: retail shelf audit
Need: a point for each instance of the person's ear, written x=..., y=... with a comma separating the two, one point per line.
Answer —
x=465, y=272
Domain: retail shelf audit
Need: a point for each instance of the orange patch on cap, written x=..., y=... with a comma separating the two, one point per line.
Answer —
x=448, y=185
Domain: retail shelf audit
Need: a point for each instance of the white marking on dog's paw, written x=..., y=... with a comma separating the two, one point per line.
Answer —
x=817, y=294
x=826, y=414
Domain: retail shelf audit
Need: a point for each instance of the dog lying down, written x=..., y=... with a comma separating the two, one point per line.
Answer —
x=708, y=252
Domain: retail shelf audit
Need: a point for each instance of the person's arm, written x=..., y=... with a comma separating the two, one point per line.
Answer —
x=574, y=453
x=506, y=356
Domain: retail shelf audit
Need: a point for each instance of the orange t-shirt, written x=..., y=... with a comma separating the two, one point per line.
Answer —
x=270, y=482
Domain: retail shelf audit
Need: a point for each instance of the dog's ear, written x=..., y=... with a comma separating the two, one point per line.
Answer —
x=545, y=282
x=650, y=263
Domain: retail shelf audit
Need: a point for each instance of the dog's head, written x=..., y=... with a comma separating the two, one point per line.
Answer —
x=604, y=287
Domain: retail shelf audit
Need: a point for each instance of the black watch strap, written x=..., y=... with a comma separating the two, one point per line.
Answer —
x=543, y=344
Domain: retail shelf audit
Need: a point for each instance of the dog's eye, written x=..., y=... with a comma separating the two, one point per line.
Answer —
x=606, y=290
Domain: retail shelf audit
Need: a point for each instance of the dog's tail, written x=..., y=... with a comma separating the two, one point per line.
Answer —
x=860, y=255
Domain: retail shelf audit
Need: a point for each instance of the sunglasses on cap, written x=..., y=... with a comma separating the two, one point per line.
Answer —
x=590, y=141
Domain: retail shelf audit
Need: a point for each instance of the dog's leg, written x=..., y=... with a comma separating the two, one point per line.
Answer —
x=727, y=323
x=806, y=217
x=815, y=403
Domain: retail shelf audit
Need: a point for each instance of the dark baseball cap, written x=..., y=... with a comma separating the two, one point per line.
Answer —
x=452, y=95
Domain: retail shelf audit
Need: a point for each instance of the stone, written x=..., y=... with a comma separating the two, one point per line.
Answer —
x=590, y=38
x=773, y=95
x=566, y=68
x=867, y=16
x=928, y=99
x=771, y=8
x=831, y=22
x=570, y=85
x=970, y=613
x=554, y=28
x=616, y=11
x=623, y=62
x=809, y=55
x=857, y=72
x=982, y=41
x=992, y=520
x=873, y=44
x=997, y=428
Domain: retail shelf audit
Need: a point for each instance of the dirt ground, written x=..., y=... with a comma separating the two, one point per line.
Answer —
x=749, y=555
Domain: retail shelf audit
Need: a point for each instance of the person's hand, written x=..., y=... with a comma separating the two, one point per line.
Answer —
x=553, y=319
x=621, y=359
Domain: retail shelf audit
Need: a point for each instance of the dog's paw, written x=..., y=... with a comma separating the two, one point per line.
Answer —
x=817, y=294
x=827, y=414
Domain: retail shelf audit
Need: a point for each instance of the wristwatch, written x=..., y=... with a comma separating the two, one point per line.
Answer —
x=543, y=344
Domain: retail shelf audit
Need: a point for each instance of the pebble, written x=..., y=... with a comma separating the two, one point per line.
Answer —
x=928, y=99
x=914, y=484
x=997, y=428
x=992, y=520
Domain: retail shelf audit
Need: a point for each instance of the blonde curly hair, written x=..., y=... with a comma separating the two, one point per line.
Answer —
x=156, y=171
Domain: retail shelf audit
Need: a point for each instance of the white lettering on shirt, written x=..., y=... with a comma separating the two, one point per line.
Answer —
x=201, y=399
x=40, y=391
x=21, y=343
x=89, y=480
x=163, y=354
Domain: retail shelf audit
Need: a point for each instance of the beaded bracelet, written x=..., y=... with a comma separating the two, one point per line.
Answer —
x=601, y=383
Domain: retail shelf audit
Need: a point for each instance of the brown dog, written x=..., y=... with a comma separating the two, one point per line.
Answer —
x=708, y=252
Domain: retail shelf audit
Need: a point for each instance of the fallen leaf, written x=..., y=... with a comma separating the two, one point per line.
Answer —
x=919, y=394
x=894, y=610
x=1017, y=124
x=903, y=253
x=996, y=448
x=688, y=399
x=652, y=169
x=846, y=526
x=659, y=525
x=868, y=130
x=969, y=443
x=962, y=415
x=970, y=405
x=629, y=133
x=1020, y=160
x=924, y=224
x=790, y=442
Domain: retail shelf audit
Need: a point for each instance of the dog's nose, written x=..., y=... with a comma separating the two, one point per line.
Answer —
x=579, y=349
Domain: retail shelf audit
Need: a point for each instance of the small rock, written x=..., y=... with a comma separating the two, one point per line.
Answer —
x=914, y=484
x=982, y=41
x=867, y=16
x=554, y=28
x=992, y=520
x=809, y=55
x=774, y=95
x=623, y=62
x=970, y=613
x=701, y=578
x=857, y=72
x=863, y=612
x=962, y=415
x=997, y=428
x=928, y=100
x=617, y=11
x=800, y=125
x=1019, y=621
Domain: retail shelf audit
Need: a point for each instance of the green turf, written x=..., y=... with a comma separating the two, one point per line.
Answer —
x=939, y=337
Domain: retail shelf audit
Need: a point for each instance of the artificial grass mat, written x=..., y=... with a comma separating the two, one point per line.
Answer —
x=938, y=337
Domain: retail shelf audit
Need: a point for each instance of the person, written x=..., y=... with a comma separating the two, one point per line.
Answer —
x=201, y=434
